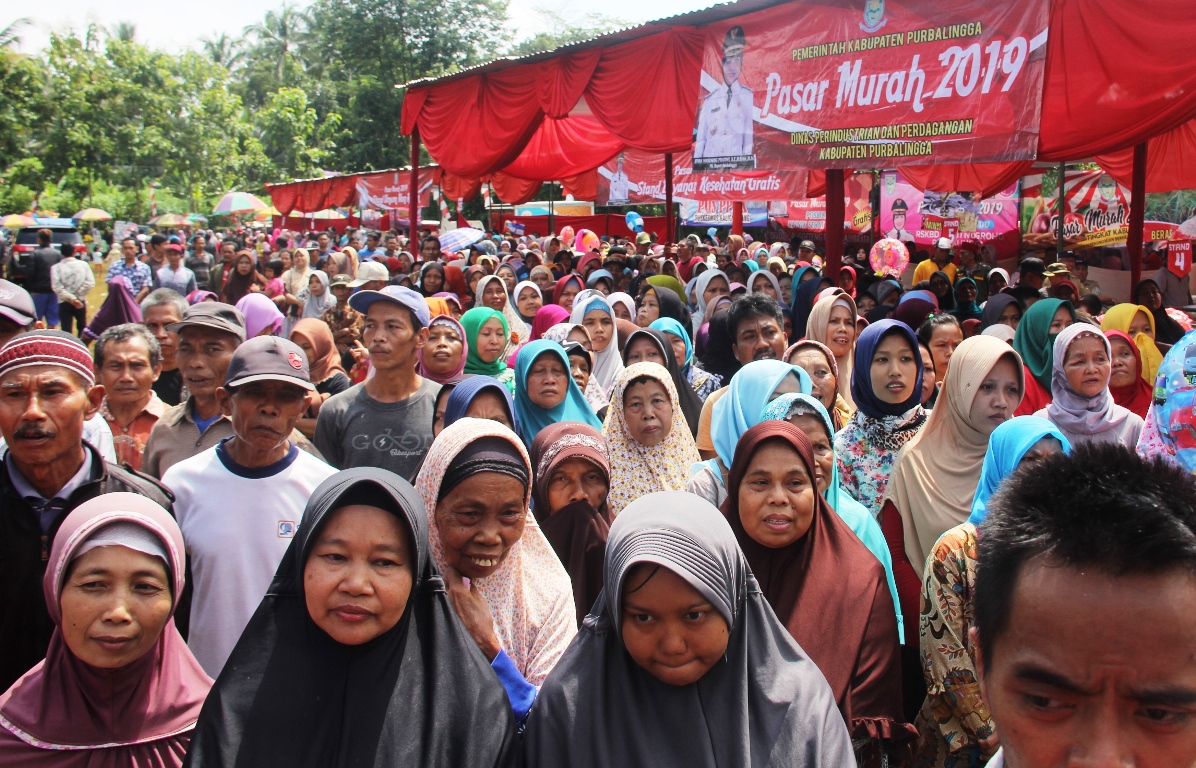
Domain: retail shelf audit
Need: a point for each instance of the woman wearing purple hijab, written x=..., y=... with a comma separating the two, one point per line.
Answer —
x=261, y=314
x=119, y=308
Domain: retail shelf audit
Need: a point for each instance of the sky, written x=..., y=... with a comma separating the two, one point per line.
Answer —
x=176, y=26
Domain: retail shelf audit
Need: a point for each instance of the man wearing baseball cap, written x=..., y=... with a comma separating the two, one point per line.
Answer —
x=371, y=275
x=209, y=335
x=386, y=421
x=17, y=313
x=939, y=261
x=49, y=468
x=806, y=252
x=239, y=502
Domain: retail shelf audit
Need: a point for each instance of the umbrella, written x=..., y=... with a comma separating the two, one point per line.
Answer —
x=239, y=202
x=14, y=220
x=197, y=218
x=456, y=239
x=170, y=220
x=328, y=214
x=267, y=214
x=92, y=214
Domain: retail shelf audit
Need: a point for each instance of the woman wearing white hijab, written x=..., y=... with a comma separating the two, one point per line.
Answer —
x=607, y=360
x=518, y=329
x=702, y=284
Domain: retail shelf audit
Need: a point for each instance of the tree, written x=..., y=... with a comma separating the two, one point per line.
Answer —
x=292, y=136
x=562, y=32
x=278, y=37
x=10, y=36
x=224, y=51
x=124, y=30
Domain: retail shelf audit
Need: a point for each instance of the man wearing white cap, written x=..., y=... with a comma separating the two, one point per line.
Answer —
x=939, y=261
x=371, y=276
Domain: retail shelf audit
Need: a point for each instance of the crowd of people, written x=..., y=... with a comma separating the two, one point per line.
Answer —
x=308, y=500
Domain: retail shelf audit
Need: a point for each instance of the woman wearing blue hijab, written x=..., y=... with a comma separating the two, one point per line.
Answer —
x=737, y=410
x=545, y=393
x=858, y=519
x=954, y=726
x=480, y=397
x=702, y=382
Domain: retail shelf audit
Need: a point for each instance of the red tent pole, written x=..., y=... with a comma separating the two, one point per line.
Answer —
x=834, y=223
x=736, y=219
x=413, y=207
x=1137, y=213
x=670, y=225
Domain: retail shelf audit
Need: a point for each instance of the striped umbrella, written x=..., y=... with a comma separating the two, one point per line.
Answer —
x=267, y=214
x=170, y=220
x=197, y=218
x=239, y=202
x=92, y=214
x=456, y=239
x=15, y=220
x=328, y=214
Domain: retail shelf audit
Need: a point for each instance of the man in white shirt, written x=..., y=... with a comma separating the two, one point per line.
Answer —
x=72, y=279
x=239, y=503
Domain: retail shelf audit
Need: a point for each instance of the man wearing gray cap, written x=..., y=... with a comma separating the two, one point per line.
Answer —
x=209, y=334
x=386, y=421
x=239, y=502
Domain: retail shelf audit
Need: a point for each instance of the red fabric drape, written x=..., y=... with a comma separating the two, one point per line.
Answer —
x=1170, y=161
x=986, y=178
x=454, y=187
x=513, y=190
x=583, y=186
x=565, y=147
x=285, y=197
x=563, y=79
x=646, y=91
x=1117, y=74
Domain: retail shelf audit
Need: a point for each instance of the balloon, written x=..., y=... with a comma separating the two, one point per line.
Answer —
x=587, y=241
x=635, y=222
x=566, y=236
x=889, y=256
x=1175, y=401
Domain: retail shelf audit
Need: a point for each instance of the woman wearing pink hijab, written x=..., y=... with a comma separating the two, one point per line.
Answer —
x=118, y=687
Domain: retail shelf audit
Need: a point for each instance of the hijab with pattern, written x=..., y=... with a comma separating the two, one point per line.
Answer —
x=419, y=694
x=578, y=530
x=827, y=578
x=638, y=469
x=517, y=330
x=691, y=405
x=530, y=596
x=64, y=713
x=764, y=704
x=934, y=479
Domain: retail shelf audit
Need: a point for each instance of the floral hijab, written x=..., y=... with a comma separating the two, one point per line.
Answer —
x=530, y=596
x=638, y=469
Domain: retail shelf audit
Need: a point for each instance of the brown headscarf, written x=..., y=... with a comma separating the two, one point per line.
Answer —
x=326, y=360
x=828, y=578
x=842, y=412
x=577, y=532
x=935, y=476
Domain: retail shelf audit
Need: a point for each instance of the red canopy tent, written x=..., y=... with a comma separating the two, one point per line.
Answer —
x=1117, y=76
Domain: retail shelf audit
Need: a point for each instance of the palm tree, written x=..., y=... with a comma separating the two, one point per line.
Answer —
x=124, y=30
x=279, y=35
x=10, y=36
x=224, y=50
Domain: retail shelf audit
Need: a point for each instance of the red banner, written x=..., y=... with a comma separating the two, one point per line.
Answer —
x=391, y=191
x=846, y=83
x=1179, y=257
x=809, y=214
x=635, y=177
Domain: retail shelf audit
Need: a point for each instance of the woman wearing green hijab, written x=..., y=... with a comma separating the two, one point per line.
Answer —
x=1035, y=342
x=486, y=332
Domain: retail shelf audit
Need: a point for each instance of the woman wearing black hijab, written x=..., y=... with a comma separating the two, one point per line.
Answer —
x=652, y=346
x=1166, y=330
x=307, y=687
x=805, y=296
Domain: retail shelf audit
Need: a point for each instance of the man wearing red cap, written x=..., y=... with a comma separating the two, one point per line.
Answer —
x=47, y=392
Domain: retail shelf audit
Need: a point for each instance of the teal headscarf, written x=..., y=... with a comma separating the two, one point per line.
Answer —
x=750, y=265
x=858, y=518
x=671, y=326
x=531, y=418
x=1006, y=447
x=739, y=410
x=1034, y=340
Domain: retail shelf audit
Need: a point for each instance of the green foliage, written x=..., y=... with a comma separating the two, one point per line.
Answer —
x=96, y=118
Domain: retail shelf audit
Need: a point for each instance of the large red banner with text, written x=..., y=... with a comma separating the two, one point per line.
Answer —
x=845, y=83
x=635, y=177
x=391, y=191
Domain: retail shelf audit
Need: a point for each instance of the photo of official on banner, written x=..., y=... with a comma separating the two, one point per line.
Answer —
x=878, y=82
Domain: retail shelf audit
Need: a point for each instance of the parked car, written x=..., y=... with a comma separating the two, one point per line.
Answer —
x=61, y=231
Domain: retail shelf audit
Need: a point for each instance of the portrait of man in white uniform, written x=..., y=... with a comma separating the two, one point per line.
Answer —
x=723, y=138
x=620, y=190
